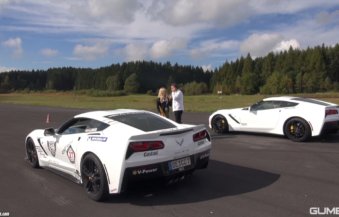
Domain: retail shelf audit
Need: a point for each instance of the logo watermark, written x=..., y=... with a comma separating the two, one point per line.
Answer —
x=4, y=213
x=323, y=211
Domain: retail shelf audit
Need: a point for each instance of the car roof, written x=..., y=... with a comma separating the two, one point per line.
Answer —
x=279, y=98
x=101, y=115
x=300, y=100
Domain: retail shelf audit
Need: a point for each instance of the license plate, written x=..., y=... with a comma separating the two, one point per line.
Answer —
x=179, y=163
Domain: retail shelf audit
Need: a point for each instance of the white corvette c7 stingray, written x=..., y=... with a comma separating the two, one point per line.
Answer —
x=295, y=117
x=105, y=150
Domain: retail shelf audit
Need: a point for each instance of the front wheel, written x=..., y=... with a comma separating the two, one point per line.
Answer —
x=219, y=124
x=32, y=155
x=297, y=129
x=94, y=178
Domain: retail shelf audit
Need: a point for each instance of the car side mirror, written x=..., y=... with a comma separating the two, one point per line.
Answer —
x=49, y=132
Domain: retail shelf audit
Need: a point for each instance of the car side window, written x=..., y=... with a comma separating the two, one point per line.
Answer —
x=255, y=106
x=95, y=126
x=81, y=125
x=285, y=104
x=263, y=105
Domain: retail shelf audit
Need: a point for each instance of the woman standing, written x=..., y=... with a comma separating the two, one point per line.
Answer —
x=163, y=103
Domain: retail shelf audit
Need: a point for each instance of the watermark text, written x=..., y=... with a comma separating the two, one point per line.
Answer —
x=323, y=211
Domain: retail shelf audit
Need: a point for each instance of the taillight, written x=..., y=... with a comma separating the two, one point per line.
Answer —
x=331, y=112
x=143, y=146
x=201, y=135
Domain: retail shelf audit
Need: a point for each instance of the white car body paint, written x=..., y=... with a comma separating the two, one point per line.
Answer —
x=272, y=120
x=110, y=146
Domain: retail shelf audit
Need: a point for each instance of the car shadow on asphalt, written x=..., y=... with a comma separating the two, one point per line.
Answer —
x=218, y=180
x=325, y=138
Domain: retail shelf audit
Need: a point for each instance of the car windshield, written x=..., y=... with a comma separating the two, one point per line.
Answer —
x=143, y=121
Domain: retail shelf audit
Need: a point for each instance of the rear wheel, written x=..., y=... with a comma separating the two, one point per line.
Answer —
x=297, y=129
x=219, y=124
x=32, y=155
x=94, y=178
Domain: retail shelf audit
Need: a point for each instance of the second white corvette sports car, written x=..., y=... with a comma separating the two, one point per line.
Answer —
x=295, y=117
x=104, y=150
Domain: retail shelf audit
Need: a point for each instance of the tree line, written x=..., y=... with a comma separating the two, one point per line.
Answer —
x=131, y=77
x=293, y=71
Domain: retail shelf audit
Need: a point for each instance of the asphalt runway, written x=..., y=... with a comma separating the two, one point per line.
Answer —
x=248, y=175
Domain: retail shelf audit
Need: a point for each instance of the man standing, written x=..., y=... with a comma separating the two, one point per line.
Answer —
x=177, y=103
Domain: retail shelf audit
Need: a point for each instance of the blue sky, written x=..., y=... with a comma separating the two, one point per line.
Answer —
x=42, y=34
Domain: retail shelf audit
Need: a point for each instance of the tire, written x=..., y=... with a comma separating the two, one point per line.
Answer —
x=219, y=124
x=32, y=155
x=94, y=178
x=297, y=129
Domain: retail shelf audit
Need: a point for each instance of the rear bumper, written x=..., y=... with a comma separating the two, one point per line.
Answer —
x=163, y=171
x=330, y=127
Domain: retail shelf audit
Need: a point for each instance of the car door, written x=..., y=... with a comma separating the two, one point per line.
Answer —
x=261, y=117
x=48, y=144
x=65, y=153
x=67, y=141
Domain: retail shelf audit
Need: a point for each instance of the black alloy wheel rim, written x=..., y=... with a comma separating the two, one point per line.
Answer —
x=219, y=123
x=91, y=177
x=31, y=152
x=297, y=129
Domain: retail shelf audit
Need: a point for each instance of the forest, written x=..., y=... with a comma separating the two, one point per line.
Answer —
x=294, y=71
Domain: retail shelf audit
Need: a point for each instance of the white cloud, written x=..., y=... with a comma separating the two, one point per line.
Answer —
x=3, y=2
x=49, y=52
x=116, y=11
x=208, y=67
x=309, y=32
x=165, y=48
x=226, y=13
x=285, y=45
x=122, y=20
x=15, y=44
x=213, y=47
x=81, y=14
x=184, y=12
x=324, y=17
x=150, y=29
x=287, y=6
x=143, y=19
x=134, y=52
x=6, y=69
x=93, y=52
x=260, y=44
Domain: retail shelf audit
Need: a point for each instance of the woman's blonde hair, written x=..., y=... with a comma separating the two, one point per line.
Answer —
x=162, y=92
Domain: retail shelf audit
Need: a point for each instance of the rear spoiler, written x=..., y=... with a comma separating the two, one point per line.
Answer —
x=332, y=107
x=168, y=132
